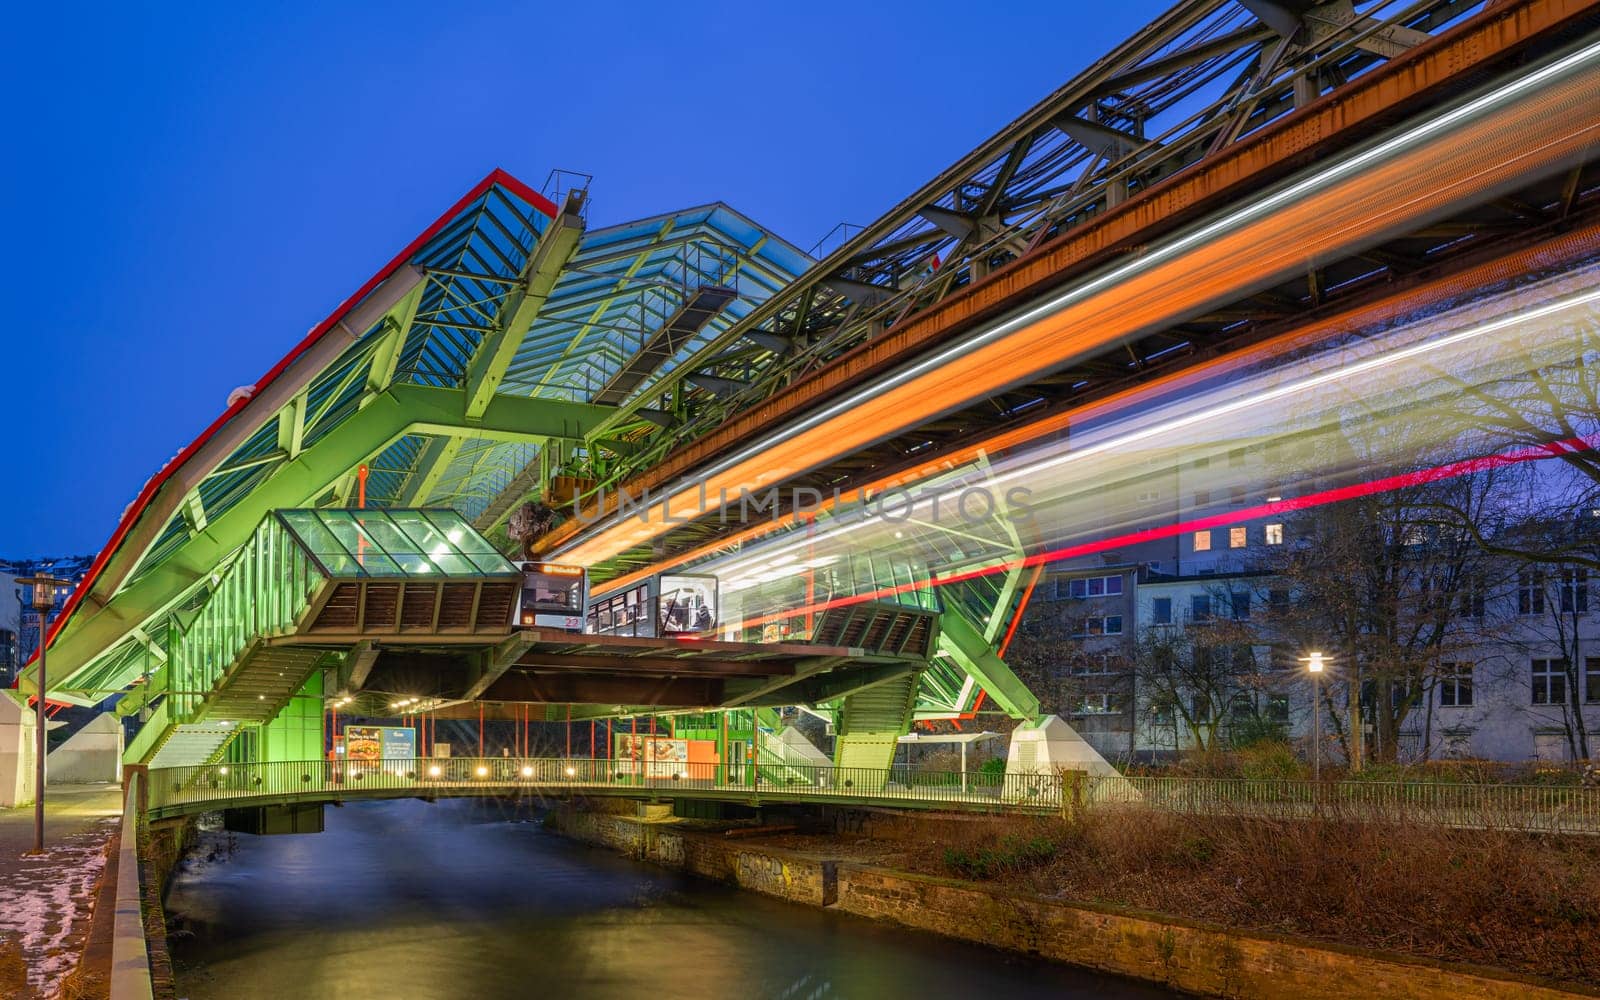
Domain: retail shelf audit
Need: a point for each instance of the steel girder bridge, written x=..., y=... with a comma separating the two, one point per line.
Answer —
x=512, y=345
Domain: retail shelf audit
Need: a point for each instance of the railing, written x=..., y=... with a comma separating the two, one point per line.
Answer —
x=1550, y=808
x=264, y=591
x=198, y=787
x=1563, y=809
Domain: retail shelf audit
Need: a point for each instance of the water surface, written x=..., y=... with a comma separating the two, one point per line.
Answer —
x=454, y=899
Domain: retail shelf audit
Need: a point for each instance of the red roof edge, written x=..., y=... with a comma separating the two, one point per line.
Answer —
x=130, y=517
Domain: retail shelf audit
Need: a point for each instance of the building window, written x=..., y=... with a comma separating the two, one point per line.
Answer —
x=1238, y=537
x=1236, y=495
x=1200, y=709
x=1591, y=680
x=1274, y=534
x=1202, y=541
x=1149, y=496
x=1161, y=611
x=1098, y=625
x=1200, y=607
x=1455, y=684
x=1472, y=597
x=1241, y=605
x=1278, y=597
x=1549, y=682
x=1575, y=591
x=1095, y=586
x=1101, y=665
x=1236, y=457
x=1278, y=708
x=1103, y=703
x=1530, y=593
x=1202, y=462
x=1202, y=498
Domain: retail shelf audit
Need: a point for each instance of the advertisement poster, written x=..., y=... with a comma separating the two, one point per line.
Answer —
x=399, y=744
x=363, y=743
x=656, y=756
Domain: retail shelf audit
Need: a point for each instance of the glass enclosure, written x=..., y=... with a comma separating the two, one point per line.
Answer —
x=406, y=543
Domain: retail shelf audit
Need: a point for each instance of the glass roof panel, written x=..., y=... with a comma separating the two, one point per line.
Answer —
x=380, y=542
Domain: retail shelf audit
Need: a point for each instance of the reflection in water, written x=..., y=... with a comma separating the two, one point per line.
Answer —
x=450, y=900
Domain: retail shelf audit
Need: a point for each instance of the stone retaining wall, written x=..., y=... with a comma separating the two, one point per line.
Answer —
x=788, y=875
x=1200, y=958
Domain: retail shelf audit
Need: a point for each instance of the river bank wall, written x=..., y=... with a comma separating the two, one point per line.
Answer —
x=1200, y=958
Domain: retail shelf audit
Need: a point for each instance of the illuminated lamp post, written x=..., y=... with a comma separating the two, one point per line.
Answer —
x=44, y=598
x=1314, y=663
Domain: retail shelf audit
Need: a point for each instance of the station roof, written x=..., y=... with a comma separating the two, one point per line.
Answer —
x=436, y=383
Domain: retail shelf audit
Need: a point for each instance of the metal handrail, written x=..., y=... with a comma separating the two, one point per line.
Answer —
x=1550, y=808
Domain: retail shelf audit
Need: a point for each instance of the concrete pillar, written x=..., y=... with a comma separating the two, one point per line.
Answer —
x=16, y=754
x=92, y=754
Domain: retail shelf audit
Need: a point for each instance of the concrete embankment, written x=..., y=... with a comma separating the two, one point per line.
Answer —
x=1186, y=955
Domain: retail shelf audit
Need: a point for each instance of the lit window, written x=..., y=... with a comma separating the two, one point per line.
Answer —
x=1274, y=534
x=1237, y=537
x=1202, y=541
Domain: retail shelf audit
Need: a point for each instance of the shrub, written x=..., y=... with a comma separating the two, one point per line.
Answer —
x=1011, y=855
x=1253, y=730
x=1270, y=759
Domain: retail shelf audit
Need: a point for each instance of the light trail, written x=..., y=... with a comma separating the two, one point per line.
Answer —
x=1575, y=249
x=1521, y=129
x=1420, y=343
x=1387, y=484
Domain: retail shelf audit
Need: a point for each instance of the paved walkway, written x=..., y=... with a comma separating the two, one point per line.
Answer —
x=45, y=901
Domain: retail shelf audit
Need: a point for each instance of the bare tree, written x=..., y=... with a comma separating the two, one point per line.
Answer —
x=1555, y=600
x=1390, y=586
x=1192, y=675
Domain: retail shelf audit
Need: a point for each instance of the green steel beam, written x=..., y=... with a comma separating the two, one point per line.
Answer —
x=967, y=646
x=489, y=362
x=432, y=464
x=399, y=410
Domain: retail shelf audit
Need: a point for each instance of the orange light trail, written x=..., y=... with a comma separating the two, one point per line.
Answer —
x=1525, y=128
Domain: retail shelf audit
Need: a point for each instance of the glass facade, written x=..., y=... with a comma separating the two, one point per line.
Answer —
x=394, y=543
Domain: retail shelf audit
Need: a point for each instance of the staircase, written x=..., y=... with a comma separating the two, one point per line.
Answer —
x=787, y=757
x=277, y=611
x=871, y=723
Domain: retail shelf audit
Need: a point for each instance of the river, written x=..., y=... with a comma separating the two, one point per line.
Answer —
x=408, y=900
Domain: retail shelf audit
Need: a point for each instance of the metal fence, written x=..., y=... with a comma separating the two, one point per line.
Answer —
x=1549, y=808
x=1545, y=808
x=189, y=789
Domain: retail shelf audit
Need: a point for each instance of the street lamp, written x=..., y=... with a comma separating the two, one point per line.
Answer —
x=1314, y=663
x=44, y=598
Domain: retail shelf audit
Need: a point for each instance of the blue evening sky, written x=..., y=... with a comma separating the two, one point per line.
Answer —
x=189, y=187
